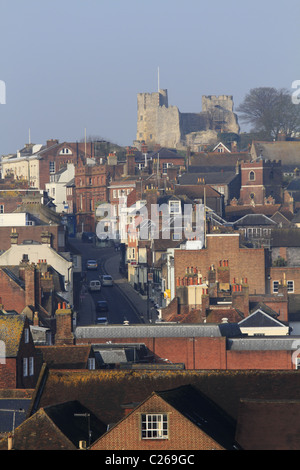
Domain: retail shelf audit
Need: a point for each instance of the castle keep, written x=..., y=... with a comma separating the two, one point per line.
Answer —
x=159, y=123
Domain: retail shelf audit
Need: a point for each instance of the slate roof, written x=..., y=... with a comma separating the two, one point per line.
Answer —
x=285, y=237
x=216, y=177
x=18, y=405
x=294, y=185
x=287, y=151
x=11, y=330
x=163, y=330
x=260, y=319
x=203, y=412
x=56, y=428
x=254, y=220
x=263, y=343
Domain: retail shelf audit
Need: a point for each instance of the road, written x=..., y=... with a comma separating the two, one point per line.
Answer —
x=120, y=308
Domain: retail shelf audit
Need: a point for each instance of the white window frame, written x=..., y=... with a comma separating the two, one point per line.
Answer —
x=51, y=168
x=26, y=335
x=91, y=363
x=174, y=207
x=275, y=289
x=154, y=426
x=31, y=366
x=25, y=367
x=290, y=287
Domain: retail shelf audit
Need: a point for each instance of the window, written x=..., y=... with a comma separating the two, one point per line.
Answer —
x=31, y=366
x=251, y=176
x=26, y=335
x=174, y=207
x=91, y=363
x=25, y=367
x=1, y=208
x=52, y=167
x=290, y=287
x=154, y=426
x=275, y=286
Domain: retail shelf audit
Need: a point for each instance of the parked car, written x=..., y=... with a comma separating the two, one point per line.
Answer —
x=101, y=320
x=101, y=306
x=94, y=285
x=91, y=264
x=88, y=237
x=106, y=280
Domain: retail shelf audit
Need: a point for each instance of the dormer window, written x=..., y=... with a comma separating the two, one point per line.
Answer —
x=174, y=207
x=65, y=151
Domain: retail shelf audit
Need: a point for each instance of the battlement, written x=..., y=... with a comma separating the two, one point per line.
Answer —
x=211, y=101
x=157, y=123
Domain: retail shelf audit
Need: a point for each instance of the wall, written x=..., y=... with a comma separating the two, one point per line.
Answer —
x=32, y=232
x=243, y=262
x=205, y=353
x=183, y=434
x=159, y=123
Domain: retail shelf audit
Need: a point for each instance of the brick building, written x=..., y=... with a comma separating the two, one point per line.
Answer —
x=244, y=263
x=21, y=364
x=261, y=182
x=90, y=191
x=178, y=419
x=39, y=163
x=198, y=346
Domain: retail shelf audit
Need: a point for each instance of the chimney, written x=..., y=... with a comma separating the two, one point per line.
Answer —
x=51, y=142
x=64, y=324
x=29, y=285
x=46, y=237
x=130, y=162
x=14, y=237
x=240, y=297
x=10, y=443
x=205, y=303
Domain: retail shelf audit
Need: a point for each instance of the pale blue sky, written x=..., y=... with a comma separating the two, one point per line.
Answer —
x=75, y=64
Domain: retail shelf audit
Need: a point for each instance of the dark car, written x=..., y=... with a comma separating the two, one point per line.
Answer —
x=101, y=321
x=101, y=306
x=88, y=237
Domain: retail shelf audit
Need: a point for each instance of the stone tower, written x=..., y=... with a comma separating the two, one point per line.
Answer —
x=159, y=123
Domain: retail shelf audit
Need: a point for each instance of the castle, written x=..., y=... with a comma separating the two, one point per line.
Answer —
x=159, y=123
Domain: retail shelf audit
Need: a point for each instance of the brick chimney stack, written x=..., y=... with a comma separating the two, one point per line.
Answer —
x=130, y=162
x=29, y=284
x=64, y=324
x=240, y=297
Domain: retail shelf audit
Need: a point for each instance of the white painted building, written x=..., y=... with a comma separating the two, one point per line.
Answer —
x=42, y=251
x=57, y=188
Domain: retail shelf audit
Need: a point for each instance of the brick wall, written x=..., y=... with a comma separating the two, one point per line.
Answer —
x=243, y=262
x=12, y=295
x=8, y=371
x=203, y=353
x=182, y=433
x=29, y=232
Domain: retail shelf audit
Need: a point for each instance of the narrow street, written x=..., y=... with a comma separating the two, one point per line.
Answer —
x=123, y=302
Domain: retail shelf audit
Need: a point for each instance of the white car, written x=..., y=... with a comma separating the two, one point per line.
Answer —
x=94, y=285
x=106, y=280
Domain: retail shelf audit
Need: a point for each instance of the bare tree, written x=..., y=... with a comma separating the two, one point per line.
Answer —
x=270, y=111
